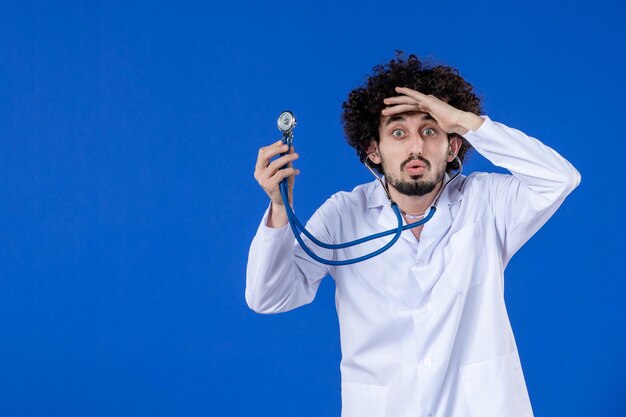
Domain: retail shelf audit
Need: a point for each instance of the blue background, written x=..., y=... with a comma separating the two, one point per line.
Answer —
x=128, y=137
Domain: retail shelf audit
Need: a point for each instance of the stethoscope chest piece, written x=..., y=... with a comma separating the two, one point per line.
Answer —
x=286, y=121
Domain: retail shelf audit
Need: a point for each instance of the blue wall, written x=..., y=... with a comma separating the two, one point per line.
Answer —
x=128, y=136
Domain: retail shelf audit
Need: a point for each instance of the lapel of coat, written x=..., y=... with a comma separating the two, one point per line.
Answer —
x=387, y=218
x=432, y=233
x=435, y=228
x=439, y=225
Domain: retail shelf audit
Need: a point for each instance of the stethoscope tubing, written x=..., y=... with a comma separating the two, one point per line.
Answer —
x=297, y=227
x=291, y=215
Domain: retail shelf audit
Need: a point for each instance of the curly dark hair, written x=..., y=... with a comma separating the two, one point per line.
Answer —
x=362, y=111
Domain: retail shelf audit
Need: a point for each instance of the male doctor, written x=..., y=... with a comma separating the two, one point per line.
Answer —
x=424, y=327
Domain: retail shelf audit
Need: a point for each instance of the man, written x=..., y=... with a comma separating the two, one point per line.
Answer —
x=424, y=327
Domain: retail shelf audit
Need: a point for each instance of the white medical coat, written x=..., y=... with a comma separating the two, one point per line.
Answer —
x=424, y=328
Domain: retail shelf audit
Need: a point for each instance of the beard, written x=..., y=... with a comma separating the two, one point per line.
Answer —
x=417, y=185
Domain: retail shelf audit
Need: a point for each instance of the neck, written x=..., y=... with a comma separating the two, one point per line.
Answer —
x=414, y=205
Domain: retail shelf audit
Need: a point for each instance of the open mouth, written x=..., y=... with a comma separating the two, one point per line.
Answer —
x=415, y=167
x=415, y=170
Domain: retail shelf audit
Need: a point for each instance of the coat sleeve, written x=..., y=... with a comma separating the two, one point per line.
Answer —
x=524, y=201
x=280, y=276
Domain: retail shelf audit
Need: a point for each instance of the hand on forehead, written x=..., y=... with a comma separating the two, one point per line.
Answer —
x=407, y=101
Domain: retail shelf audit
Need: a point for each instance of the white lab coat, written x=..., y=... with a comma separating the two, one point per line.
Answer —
x=424, y=327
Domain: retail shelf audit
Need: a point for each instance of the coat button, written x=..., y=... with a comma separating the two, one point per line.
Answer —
x=428, y=361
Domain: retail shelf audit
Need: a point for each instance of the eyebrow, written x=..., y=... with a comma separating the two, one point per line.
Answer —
x=400, y=117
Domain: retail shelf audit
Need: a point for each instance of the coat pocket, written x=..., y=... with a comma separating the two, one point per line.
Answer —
x=496, y=388
x=360, y=400
x=464, y=256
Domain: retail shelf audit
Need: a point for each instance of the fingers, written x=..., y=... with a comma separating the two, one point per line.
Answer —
x=403, y=99
x=409, y=101
x=268, y=152
x=277, y=164
x=407, y=96
x=284, y=173
x=271, y=184
x=411, y=93
x=269, y=174
x=401, y=108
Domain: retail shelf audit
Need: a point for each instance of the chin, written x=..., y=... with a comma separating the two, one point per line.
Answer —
x=421, y=178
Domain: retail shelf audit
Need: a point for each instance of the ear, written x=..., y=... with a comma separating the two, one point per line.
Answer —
x=372, y=153
x=455, y=145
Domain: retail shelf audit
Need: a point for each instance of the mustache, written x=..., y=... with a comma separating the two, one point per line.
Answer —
x=414, y=158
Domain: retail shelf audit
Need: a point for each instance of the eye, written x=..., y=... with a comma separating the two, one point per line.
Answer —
x=429, y=132
x=398, y=133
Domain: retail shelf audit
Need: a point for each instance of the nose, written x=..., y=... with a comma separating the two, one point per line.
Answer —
x=415, y=144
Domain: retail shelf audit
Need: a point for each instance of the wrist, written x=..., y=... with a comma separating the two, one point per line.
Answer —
x=468, y=121
x=277, y=216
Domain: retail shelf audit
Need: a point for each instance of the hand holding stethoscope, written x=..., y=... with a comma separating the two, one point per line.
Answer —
x=269, y=175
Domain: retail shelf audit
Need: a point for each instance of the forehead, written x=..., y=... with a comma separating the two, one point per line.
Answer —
x=408, y=117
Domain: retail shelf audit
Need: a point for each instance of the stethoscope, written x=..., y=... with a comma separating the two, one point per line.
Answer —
x=286, y=123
